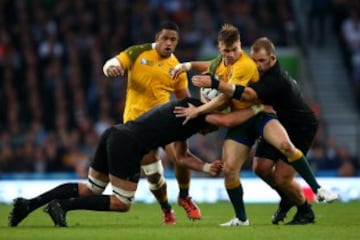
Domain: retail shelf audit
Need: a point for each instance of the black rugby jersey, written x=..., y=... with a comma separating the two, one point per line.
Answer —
x=278, y=89
x=160, y=126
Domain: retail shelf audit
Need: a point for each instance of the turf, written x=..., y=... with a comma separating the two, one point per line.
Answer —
x=333, y=221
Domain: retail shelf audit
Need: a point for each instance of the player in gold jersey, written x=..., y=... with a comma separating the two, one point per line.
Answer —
x=236, y=67
x=149, y=74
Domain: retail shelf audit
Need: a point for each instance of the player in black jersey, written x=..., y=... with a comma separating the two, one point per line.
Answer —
x=117, y=161
x=279, y=90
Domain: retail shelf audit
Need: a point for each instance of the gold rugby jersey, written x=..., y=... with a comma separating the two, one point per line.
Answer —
x=242, y=72
x=149, y=79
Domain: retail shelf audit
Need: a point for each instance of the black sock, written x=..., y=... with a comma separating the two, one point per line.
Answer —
x=165, y=205
x=184, y=192
x=236, y=198
x=94, y=202
x=67, y=190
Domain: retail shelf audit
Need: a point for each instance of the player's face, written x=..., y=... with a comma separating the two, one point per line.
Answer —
x=231, y=52
x=263, y=60
x=166, y=42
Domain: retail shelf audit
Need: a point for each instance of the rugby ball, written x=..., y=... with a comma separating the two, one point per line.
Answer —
x=207, y=94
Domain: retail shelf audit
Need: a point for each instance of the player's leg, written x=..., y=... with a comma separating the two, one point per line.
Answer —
x=276, y=135
x=154, y=172
x=234, y=156
x=123, y=161
x=284, y=176
x=264, y=168
x=120, y=201
x=183, y=174
x=23, y=207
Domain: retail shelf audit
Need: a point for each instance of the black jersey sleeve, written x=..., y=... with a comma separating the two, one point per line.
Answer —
x=267, y=87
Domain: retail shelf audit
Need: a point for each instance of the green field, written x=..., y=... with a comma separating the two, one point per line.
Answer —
x=333, y=221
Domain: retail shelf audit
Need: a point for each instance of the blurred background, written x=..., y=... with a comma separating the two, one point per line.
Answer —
x=55, y=101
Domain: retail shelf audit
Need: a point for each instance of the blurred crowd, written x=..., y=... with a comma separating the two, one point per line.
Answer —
x=346, y=26
x=54, y=99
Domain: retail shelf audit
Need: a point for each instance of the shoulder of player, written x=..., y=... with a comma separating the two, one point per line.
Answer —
x=244, y=63
x=134, y=51
x=214, y=63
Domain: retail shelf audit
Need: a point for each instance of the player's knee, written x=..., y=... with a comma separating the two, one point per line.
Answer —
x=153, y=168
x=230, y=170
x=96, y=186
x=154, y=173
x=124, y=198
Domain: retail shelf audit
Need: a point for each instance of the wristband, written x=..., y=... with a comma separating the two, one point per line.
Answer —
x=257, y=108
x=109, y=63
x=238, y=91
x=233, y=88
x=214, y=82
x=187, y=66
x=206, y=167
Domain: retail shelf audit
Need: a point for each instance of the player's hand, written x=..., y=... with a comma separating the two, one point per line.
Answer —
x=188, y=113
x=215, y=168
x=201, y=81
x=179, y=69
x=115, y=71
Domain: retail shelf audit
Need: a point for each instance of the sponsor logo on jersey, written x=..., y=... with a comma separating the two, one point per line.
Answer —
x=144, y=61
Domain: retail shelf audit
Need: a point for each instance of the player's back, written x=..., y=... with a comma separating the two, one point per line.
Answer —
x=160, y=126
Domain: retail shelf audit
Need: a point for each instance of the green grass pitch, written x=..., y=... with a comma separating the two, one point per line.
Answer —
x=144, y=221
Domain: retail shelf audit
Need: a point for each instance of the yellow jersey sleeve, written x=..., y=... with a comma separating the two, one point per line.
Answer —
x=149, y=79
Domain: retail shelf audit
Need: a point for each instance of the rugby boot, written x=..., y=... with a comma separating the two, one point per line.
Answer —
x=325, y=195
x=169, y=216
x=235, y=222
x=21, y=208
x=192, y=210
x=303, y=217
x=281, y=212
x=57, y=214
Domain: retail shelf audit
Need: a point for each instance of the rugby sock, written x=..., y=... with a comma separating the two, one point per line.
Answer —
x=94, y=202
x=184, y=191
x=66, y=190
x=301, y=165
x=161, y=196
x=165, y=205
x=235, y=192
x=183, y=178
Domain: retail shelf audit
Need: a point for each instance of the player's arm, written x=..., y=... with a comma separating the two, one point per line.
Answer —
x=229, y=89
x=190, y=112
x=199, y=66
x=113, y=68
x=184, y=157
x=237, y=117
